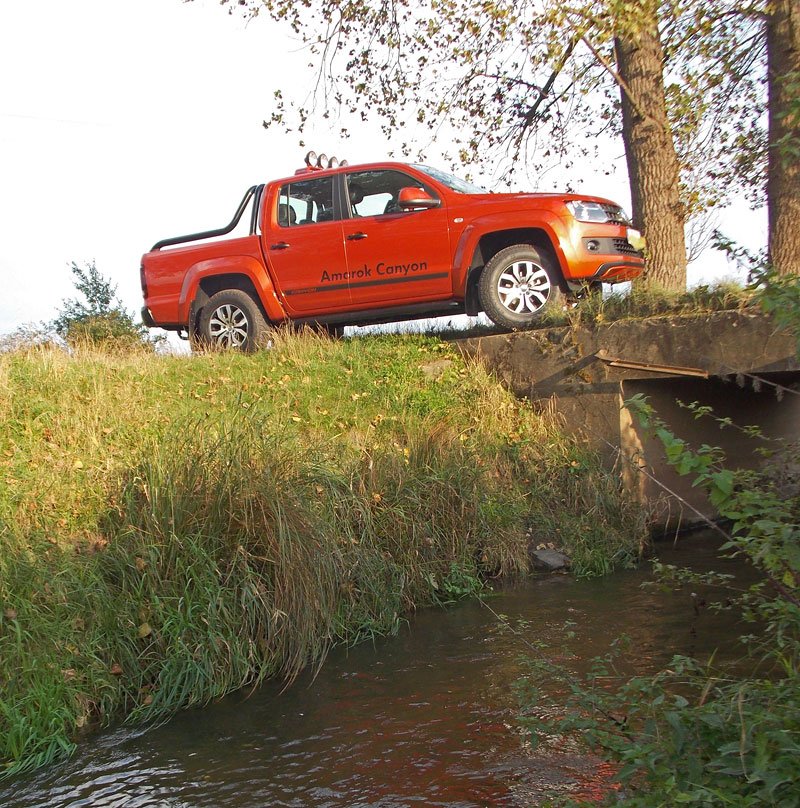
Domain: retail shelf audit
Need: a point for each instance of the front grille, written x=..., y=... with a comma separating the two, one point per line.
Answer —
x=615, y=214
x=624, y=247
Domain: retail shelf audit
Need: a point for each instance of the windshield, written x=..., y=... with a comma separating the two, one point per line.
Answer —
x=453, y=183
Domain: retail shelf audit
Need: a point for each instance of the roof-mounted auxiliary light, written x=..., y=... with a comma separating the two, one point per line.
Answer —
x=316, y=161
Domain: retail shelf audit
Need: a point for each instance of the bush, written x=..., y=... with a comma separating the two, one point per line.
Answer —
x=99, y=319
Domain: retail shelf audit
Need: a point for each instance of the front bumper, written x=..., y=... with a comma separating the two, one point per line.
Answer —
x=612, y=256
x=617, y=271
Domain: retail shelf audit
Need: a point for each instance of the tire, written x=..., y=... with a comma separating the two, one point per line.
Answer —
x=232, y=320
x=517, y=285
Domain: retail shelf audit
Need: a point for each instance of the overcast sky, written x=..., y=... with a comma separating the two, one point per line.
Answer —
x=122, y=123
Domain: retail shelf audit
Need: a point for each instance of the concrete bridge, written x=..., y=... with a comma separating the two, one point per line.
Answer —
x=735, y=361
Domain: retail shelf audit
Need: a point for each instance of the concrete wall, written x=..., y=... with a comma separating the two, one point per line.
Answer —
x=564, y=366
x=776, y=414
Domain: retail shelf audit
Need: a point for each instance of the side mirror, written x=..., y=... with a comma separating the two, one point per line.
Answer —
x=411, y=198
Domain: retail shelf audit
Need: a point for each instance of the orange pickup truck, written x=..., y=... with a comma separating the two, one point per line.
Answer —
x=382, y=242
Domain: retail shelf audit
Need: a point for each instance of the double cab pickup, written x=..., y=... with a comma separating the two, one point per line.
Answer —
x=382, y=242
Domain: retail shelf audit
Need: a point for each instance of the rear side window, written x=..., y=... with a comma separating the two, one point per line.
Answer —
x=306, y=202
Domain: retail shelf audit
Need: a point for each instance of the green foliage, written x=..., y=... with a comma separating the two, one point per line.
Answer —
x=29, y=336
x=536, y=83
x=462, y=581
x=647, y=302
x=692, y=733
x=98, y=318
x=763, y=507
x=778, y=294
x=716, y=52
x=684, y=736
x=173, y=528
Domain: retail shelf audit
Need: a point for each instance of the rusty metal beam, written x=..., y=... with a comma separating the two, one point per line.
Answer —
x=673, y=370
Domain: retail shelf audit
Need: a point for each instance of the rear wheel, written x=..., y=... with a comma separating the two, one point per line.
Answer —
x=517, y=285
x=232, y=320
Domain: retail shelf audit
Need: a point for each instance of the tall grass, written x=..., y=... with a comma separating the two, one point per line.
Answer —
x=172, y=529
x=597, y=309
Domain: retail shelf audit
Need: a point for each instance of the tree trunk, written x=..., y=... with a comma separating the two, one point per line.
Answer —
x=783, y=173
x=653, y=166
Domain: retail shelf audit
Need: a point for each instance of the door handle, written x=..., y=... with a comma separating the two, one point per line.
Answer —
x=281, y=245
x=356, y=236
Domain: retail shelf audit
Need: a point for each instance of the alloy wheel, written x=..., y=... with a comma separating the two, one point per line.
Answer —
x=523, y=287
x=228, y=326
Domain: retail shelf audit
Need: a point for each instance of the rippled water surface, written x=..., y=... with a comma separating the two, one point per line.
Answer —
x=425, y=718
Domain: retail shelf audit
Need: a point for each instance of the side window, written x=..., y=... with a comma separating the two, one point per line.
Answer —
x=374, y=193
x=306, y=202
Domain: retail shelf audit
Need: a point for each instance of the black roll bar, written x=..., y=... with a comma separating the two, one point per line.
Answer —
x=255, y=192
x=256, y=208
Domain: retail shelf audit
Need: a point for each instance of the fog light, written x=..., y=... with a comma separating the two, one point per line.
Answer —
x=593, y=245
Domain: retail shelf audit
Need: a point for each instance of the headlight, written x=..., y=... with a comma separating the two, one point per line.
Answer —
x=598, y=212
x=588, y=211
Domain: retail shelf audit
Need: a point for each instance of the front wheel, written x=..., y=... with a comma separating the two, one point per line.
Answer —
x=232, y=320
x=516, y=286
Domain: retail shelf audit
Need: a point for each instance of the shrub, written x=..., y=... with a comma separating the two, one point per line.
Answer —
x=99, y=319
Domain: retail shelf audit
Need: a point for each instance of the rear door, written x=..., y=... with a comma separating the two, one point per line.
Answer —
x=393, y=256
x=304, y=244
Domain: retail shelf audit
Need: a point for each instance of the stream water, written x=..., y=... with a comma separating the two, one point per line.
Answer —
x=424, y=718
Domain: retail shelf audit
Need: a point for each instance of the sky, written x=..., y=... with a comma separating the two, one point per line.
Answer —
x=122, y=123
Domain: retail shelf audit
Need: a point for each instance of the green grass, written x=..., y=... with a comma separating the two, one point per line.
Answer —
x=639, y=303
x=175, y=528
x=594, y=309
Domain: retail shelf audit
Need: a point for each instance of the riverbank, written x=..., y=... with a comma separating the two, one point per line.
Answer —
x=175, y=528
x=440, y=699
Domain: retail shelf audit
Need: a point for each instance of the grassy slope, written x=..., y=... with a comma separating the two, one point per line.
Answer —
x=173, y=528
